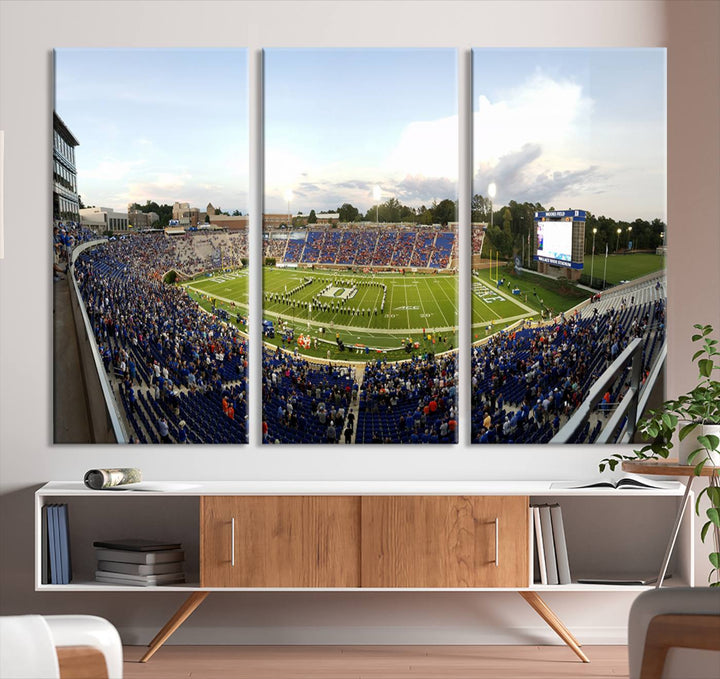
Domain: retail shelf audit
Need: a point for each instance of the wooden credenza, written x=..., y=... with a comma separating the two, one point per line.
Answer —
x=366, y=536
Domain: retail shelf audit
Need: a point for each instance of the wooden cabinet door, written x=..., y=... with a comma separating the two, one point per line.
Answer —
x=294, y=541
x=443, y=541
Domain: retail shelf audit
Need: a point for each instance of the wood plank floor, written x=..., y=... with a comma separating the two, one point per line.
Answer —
x=375, y=662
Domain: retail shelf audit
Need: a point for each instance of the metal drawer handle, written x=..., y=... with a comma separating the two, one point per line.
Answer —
x=232, y=542
x=497, y=542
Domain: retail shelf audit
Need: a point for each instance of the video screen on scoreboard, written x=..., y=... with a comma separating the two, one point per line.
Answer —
x=554, y=241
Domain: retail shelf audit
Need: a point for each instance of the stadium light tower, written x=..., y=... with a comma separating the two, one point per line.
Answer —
x=288, y=198
x=377, y=194
x=492, y=190
x=629, y=236
x=617, y=241
x=592, y=265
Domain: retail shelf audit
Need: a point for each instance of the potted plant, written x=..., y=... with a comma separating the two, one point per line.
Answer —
x=699, y=409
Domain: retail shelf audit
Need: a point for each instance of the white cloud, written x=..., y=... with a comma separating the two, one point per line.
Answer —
x=423, y=162
x=111, y=170
x=552, y=114
x=426, y=148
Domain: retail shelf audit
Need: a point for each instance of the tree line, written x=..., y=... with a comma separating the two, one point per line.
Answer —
x=392, y=211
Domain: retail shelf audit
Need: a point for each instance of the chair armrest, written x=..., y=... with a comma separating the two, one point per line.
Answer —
x=677, y=631
x=81, y=662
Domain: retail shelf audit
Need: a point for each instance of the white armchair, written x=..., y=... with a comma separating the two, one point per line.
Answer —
x=674, y=633
x=59, y=647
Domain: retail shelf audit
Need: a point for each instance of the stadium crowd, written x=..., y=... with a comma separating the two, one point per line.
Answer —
x=367, y=246
x=306, y=402
x=66, y=237
x=526, y=383
x=411, y=401
x=171, y=361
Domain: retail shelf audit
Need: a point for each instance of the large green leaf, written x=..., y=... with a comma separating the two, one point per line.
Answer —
x=714, y=516
x=706, y=367
x=713, y=492
x=713, y=441
x=687, y=429
x=669, y=420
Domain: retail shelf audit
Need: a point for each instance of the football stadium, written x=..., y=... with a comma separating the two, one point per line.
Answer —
x=361, y=341
x=360, y=330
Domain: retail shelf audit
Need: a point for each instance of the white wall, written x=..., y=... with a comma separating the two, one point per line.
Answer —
x=28, y=458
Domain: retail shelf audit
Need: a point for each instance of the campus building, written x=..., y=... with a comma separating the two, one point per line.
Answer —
x=273, y=220
x=187, y=216
x=142, y=220
x=102, y=219
x=229, y=222
x=66, y=204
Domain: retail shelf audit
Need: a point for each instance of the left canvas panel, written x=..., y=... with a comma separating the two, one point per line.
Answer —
x=150, y=245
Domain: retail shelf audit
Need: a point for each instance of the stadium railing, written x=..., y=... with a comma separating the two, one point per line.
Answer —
x=626, y=411
x=104, y=419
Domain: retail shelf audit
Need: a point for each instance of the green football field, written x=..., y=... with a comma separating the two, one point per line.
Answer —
x=383, y=311
x=625, y=267
x=229, y=287
x=378, y=311
x=496, y=307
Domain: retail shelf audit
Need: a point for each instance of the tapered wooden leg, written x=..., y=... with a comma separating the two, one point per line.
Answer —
x=181, y=615
x=546, y=613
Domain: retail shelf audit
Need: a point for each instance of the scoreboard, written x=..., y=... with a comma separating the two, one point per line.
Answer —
x=560, y=238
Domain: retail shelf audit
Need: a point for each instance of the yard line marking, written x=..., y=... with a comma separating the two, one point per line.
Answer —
x=453, y=320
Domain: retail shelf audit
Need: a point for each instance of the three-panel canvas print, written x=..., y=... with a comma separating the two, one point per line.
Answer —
x=362, y=241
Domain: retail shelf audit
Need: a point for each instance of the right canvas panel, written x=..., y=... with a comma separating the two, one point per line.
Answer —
x=569, y=239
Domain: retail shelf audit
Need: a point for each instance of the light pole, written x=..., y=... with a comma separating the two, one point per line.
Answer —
x=592, y=264
x=617, y=240
x=288, y=197
x=377, y=194
x=629, y=236
x=492, y=190
x=605, y=268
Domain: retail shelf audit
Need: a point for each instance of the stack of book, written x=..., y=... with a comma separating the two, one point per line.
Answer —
x=552, y=565
x=143, y=563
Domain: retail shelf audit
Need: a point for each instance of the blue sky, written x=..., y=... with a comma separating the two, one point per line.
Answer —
x=340, y=121
x=568, y=128
x=160, y=125
x=572, y=128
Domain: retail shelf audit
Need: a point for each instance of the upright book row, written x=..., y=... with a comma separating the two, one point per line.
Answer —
x=551, y=565
x=56, y=562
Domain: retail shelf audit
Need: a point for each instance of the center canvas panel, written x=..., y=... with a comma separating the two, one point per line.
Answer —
x=360, y=307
